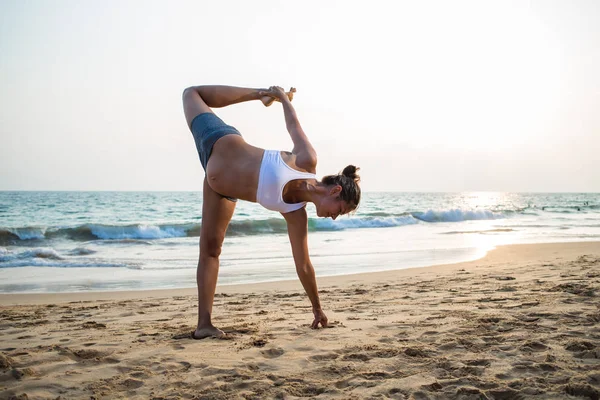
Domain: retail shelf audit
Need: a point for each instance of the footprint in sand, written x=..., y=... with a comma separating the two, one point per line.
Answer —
x=324, y=357
x=534, y=368
x=258, y=342
x=273, y=353
x=375, y=375
x=129, y=384
x=5, y=361
x=240, y=329
x=20, y=373
x=416, y=352
x=451, y=345
x=505, y=278
x=583, y=349
x=93, y=325
x=396, y=393
x=579, y=345
x=582, y=390
x=532, y=345
x=304, y=348
x=356, y=357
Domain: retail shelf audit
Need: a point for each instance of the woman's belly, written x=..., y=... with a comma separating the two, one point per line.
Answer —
x=233, y=168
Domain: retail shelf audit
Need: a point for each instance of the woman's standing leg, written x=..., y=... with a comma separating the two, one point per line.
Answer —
x=216, y=214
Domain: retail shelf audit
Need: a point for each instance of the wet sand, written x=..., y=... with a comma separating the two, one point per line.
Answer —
x=523, y=322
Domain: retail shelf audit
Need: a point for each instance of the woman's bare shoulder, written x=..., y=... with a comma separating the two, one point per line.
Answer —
x=298, y=163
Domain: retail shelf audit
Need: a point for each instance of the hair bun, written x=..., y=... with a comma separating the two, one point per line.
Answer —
x=350, y=172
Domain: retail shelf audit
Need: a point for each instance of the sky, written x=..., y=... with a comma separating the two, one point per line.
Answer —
x=421, y=95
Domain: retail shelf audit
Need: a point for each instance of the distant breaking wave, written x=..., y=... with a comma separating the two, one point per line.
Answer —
x=482, y=231
x=48, y=257
x=457, y=215
x=41, y=252
x=327, y=224
x=141, y=232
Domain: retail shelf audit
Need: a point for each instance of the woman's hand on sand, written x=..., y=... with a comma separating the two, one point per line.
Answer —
x=320, y=318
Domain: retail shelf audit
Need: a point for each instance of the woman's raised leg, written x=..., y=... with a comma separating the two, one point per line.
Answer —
x=216, y=214
x=199, y=99
x=217, y=96
x=222, y=96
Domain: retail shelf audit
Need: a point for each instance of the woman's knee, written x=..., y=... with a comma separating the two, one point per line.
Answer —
x=193, y=104
x=211, y=246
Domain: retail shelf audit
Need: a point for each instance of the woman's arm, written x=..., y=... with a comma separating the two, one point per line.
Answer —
x=297, y=223
x=306, y=156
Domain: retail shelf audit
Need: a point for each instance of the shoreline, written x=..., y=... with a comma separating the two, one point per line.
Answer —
x=527, y=250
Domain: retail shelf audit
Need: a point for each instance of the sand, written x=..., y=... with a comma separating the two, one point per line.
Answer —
x=523, y=322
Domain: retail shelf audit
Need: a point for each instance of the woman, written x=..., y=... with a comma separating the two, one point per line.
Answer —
x=280, y=181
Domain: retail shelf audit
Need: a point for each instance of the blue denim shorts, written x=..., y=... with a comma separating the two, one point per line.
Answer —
x=207, y=128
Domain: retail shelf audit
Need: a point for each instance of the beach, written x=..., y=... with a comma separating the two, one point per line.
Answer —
x=432, y=166
x=522, y=322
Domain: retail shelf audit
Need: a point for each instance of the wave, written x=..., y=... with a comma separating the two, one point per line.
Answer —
x=566, y=209
x=26, y=233
x=43, y=252
x=481, y=232
x=89, y=232
x=457, y=215
x=64, y=264
x=48, y=257
x=353, y=223
x=81, y=251
x=141, y=233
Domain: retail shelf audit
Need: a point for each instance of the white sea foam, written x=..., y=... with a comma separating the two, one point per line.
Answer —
x=48, y=257
x=457, y=215
x=81, y=251
x=40, y=252
x=349, y=222
x=136, y=232
x=36, y=262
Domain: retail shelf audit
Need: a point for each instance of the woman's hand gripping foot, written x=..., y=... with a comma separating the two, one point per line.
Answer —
x=271, y=95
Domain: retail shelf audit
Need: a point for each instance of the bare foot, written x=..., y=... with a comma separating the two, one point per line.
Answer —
x=268, y=100
x=210, y=331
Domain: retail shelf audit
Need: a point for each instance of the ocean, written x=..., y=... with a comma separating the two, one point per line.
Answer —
x=98, y=241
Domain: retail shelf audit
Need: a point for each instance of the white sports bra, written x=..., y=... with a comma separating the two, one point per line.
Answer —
x=274, y=175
